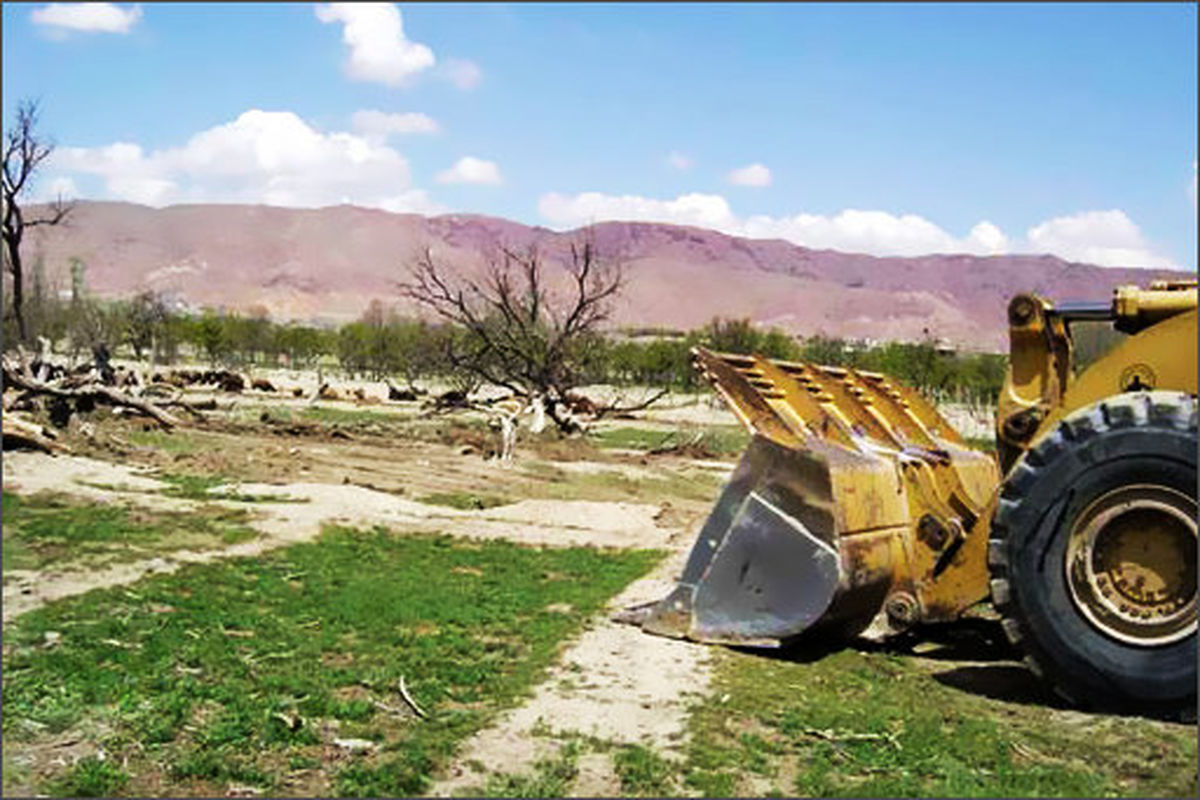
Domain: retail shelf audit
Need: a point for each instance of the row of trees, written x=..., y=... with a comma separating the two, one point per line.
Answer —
x=385, y=344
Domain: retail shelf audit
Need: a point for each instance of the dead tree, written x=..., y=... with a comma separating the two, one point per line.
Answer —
x=519, y=331
x=24, y=152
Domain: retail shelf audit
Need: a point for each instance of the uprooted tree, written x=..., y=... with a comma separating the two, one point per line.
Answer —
x=525, y=327
x=24, y=151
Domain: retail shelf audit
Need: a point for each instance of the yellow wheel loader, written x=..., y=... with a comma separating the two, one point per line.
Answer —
x=857, y=502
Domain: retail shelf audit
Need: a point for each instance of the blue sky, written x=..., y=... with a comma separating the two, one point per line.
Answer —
x=883, y=128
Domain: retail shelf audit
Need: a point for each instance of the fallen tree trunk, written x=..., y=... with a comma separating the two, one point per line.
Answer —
x=22, y=379
x=22, y=434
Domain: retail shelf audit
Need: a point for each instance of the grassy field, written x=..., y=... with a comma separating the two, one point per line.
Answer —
x=722, y=440
x=879, y=724
x=281, y=673
x=50, y=530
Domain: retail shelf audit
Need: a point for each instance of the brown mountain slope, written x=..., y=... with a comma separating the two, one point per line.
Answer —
x=329, y=263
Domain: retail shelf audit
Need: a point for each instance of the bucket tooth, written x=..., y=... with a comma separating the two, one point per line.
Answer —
x=818, y=526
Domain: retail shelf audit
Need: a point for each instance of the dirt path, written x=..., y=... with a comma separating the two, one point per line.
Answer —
x=541, y=522
x=614, y=683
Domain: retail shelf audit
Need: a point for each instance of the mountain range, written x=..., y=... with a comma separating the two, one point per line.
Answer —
x=327, y=264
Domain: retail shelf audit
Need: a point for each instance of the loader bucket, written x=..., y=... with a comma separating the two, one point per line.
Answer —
x=854, y=497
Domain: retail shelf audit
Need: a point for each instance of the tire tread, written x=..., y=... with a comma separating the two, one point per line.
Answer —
x=1158, y=409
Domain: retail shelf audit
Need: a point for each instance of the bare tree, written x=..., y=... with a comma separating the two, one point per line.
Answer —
x=522, y=332
x=24, y=152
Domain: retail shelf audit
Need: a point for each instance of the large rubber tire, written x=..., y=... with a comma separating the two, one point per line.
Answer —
x=1142, y=438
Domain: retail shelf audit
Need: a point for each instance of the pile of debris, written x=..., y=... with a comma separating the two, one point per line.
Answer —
x=38, y=385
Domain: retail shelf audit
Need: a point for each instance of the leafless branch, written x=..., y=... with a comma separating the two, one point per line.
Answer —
x=616, y=408
x=24, y=152
x=518, y=333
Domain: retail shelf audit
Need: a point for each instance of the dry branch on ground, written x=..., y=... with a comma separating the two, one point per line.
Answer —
x=74, y=389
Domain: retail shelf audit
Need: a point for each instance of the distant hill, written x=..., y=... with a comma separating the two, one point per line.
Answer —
x=329, y=263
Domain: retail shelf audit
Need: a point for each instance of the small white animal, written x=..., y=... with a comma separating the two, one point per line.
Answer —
x=506, y=415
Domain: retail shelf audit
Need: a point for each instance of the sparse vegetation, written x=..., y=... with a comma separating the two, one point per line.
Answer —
x=55, y=530
x=550, y=777
x=227, y=673
x=467, y=501
x=205, y=678
x=91, y=777
x=643, y=772
x=867, y=724
x=725, y=440
x=203, y=487
x=169, y=442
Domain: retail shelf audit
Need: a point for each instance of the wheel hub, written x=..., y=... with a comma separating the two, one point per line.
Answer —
x=1131, y=564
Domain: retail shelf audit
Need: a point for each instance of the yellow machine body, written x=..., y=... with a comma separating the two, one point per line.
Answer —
x=856, y=498
x=1041, y=389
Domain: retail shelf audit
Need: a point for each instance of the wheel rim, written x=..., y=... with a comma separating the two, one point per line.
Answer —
x=1131, y=564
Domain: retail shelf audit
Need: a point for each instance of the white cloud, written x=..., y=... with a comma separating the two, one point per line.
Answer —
x=987, y=239
x=702, y=210
x=469, y=169
x=462, y=73
x=379, y=50
x=413, y=201
x=381, y=124
x=271, y=157
x=677, y=160
x=59, y=18
x=1106, y=238
x=751, y=175
x=853, y=230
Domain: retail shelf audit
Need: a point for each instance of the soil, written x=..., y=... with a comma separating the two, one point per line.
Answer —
x=614, y=682
x=560, y=523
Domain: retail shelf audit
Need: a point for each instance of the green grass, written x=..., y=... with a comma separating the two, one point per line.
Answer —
x=550, y=777
x=855, y=724
x=643, y=772
x=48, y=529
x=719, y=439
x=175, y=442
x=190, y=487
x=349, y=417
x=200, y=487
x=553, y=483
x=464, y=500
x=91, y=777
x=232, y=672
